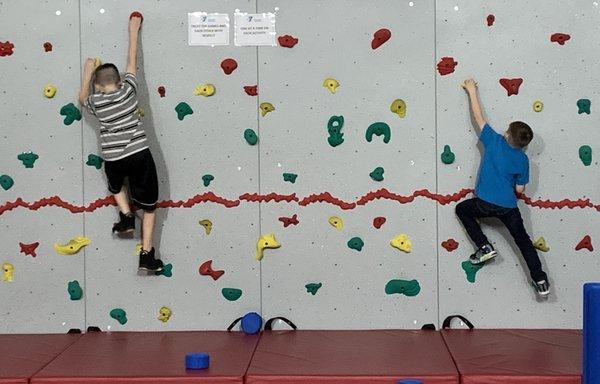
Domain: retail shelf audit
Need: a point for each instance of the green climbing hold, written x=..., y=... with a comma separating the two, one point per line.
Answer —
x=119, y=315
x=6, y=182
x=470, y=269
x=356, y=243
x=250, y=136
x=448, y=156
x=585, y=154
x=584, y=106
x=379, y=129
x=167, y=271
x=74, y=290
x=377, y=174
x=290, y=177
x=206, y=179
x=94, y=161
x=183, y=109
x=403, y=287
x=312, y=288
x=71, y=113
x=334, y=127
x=28, y=159
x=231, y=294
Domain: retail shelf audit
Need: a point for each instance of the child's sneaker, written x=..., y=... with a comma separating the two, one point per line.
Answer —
x=125, y=225
x=148, y=262
x=542, y=287
x=483, y=254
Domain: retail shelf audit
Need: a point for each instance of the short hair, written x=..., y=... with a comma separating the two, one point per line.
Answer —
x=106, y=74
x=521, y=134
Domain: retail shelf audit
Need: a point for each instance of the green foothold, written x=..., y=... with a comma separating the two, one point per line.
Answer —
x=183, y=109
x=585, y=154
x=119, y=315
x=94, y=161
x=231, y=294
x=377, y=174
x=28, y=159
x=312, y=288
x=207, y=179
x=74, y=290
x=470, y=269
x=403, y=287
x=71, y=113
x=290, y=177
x=584, y=106
x=447, y=156
x=356, y=243
x=167, y=271
x=379, y=129
x=6, y=182
x=250, y=136
x=334, y=127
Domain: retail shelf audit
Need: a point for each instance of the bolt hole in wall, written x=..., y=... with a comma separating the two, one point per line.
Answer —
x=315, y=178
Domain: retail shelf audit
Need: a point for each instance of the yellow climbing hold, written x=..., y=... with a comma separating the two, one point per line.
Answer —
x=204, y=90
x=336, y=222
x=140, y=112
x=97, y=62
x=207, y=224
x=7, y=272
x=164, y=314
x=138, y=250
x=538, y=106
x=49, y=91
x=331, y=84
x=265, y=242
x=398, y=107
x=402, y=242
x=266, y=108
x=541, y=245
x=73, y=246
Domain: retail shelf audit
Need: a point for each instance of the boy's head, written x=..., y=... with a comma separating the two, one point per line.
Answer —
x=519, y=134
x=106, y=78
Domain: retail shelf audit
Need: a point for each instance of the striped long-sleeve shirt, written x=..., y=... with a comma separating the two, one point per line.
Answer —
x=121, y=132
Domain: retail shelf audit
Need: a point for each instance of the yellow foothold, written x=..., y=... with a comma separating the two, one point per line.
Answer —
x=538, y=106
x=7, y=272
x=265, y=242
x=402, y=242
x=336, y=222
x=97, y=62
x=49, y=91
x=266, y=108
x=73, y=246
x=540, y=245
x=204, y=90
x=140, y=111
x=207, y=224
x=398, y=107
x=164, y=314
x=138, y=250
x=331, y=84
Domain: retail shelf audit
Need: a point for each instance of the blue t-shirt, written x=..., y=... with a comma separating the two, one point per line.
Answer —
x=502, y=167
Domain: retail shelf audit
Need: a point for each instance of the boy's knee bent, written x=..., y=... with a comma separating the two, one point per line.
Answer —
x=460, y=209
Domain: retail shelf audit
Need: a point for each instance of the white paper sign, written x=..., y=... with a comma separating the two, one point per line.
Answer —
x=208, y=28
x=254, y=29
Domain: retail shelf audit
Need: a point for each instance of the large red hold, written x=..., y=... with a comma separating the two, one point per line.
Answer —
x=380, y=37
x=6, y=48
x=560, y=38
x=586, y=243
x=378, y=221
x=29, y=249
x=450, y=245
x=287, y=41
x=446, y=65
x=229, y=65
x=251, y=90
x=136, y=14
x=511, y=85
x=207, y=270
x=289, y=220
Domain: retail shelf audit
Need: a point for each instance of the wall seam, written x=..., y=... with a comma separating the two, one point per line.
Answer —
x=435, y=103
x=260, y=295
x=82, y=179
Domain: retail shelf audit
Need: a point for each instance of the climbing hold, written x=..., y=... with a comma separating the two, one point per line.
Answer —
x=538, y=106
x=29, y=249
x=28, y=158
x=586, y=243
x=47, y=47
x=378, y=222
x=379, y=129
x=251, y=90
x=207, y=224
x=183, y=109
x=560, y=38
x=265, y=242
x=287, y=41
x=584, y=106
x=331, y=84
x=94, y=161
x=540, y=245
x=162, y=91
x=97, y=62
x=207, y=270
x=402, y=242
x=206, y=179
x=250, y=136
x=403, y=287
x=447, y=156
x=470, y=270
x=136, y=14
x=289, y=220
x=231, y=294
x=266, y=108
x=119, y=315
x=490, y=20
x=71, y=113
x=585, y=154
x=6, y=182
x=6, y=48
x=49, y=91
x=398, y=107
x=312, y=288
x=380, y=37
x=377, y=174
x=356, y=243
x=228, y=66
x=74, y=290
x=7, y=272
x=290, y=177
x=140, y=112
x=73, y=246
x=511, y=85
x=446, y=65
x=205, y=90
x=450, y=245
x=164, y=314
x=334, y=127
x=336, y=222
x=166, y=271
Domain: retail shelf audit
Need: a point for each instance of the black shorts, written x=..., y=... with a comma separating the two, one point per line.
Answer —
x=140, y=171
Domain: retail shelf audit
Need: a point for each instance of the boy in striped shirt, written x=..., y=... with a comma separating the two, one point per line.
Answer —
x=124, y=144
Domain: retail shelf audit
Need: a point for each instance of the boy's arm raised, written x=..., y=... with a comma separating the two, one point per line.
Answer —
x=471, y=87
x=134, y=27
x=86, y=78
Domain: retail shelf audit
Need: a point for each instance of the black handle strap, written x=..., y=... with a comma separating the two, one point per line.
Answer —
x=428, y=327
x=233, y=324
x=449, y=319
x=269, y=323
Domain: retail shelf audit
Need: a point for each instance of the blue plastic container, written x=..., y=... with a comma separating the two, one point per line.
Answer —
x=591, y=333
x=197, y=361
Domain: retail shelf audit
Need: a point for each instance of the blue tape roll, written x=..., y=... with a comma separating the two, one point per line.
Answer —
x=197, y=361
x=410, y=381
x=591, y=333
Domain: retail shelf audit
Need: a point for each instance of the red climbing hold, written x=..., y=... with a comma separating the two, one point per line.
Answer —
x=450, y=245
x=490, y=20
x=511, y=85
x=586, y=243
x=162, y=91
x=251, y=90
x=560, y=38
x=380, y=37
x=6, y=49
x=136, y=14
x=378, y=222
x=289, y=220
x=229, y=65
x=47, y=47
x=287, y=41
x=29, y=249
x=206, y=270
x=446, y=65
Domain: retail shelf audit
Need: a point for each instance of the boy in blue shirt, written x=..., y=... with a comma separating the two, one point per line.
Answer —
x=503, y=173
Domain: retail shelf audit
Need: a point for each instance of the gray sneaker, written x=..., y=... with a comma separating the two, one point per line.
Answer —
x=542, y=287
x=483, y=254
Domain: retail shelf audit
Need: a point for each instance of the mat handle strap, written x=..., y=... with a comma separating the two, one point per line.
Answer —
x=233, y=324
x=269, y=323
x=448, y=320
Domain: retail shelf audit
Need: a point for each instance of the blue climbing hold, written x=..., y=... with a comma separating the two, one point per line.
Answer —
x=251, y=323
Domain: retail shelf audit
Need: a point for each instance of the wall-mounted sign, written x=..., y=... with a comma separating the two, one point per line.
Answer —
x=254, y=29
x=208, y=28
